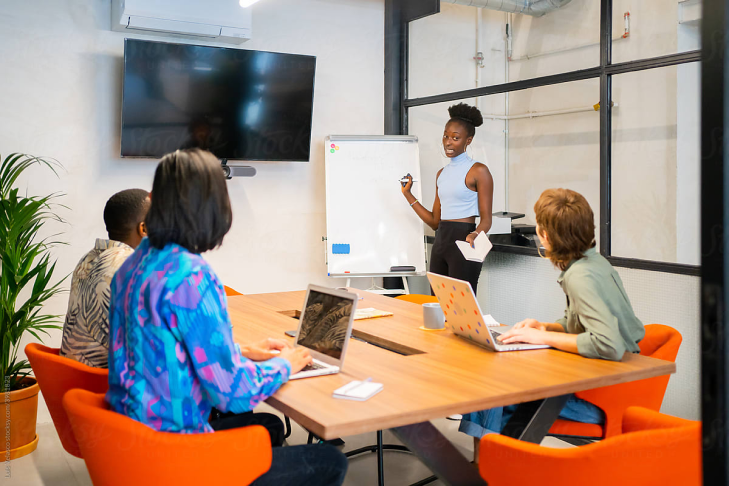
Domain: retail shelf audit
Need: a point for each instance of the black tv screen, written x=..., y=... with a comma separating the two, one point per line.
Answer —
x=239, y=104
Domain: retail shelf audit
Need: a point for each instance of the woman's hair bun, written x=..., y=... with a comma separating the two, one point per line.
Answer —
x=467, y=113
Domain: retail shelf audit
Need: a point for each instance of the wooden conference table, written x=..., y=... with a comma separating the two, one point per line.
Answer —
x=427, y=375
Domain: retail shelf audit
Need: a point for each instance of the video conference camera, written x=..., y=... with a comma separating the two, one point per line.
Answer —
x=236, y=171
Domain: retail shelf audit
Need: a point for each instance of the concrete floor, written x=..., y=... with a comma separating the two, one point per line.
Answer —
x=50, y=464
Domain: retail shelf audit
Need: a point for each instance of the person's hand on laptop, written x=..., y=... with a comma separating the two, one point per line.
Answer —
x=531, y=331
x=527, y=335
x=530, y=323
x=542, y=326
x=299, y=357
x=264, y=350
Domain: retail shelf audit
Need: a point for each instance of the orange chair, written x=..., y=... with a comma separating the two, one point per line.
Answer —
x=418, y=298
x=56, y=375
x=660, y=342
x=230, y=292
x=121, y=451
x=654, y=450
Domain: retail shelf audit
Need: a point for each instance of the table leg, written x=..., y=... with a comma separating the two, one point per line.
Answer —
x=532, y=420
x=439, y=454
x=380, y=461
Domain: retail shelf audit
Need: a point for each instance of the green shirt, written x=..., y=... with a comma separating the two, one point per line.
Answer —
x=598, y=309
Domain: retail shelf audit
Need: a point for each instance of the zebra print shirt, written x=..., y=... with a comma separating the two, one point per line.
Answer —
x=86, y=330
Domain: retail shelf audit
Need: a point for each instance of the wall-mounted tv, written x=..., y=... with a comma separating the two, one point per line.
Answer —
x=239, y=104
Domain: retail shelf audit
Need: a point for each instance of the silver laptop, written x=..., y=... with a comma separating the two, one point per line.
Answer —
x=324, y=329
x=464, y=317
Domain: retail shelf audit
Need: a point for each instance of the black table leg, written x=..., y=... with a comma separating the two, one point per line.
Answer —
x=439, y=454
x=532, y=420
x=380, y=461
x=379, y=448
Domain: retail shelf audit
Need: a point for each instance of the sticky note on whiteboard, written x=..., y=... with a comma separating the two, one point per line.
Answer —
x=340, y=249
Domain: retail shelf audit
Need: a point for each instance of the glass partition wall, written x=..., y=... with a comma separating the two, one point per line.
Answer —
x=599, y=97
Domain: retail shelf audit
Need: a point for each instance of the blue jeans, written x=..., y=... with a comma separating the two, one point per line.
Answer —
x=493, y=420
x=305, y=465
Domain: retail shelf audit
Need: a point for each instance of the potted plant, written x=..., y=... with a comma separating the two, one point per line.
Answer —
x=25, y=286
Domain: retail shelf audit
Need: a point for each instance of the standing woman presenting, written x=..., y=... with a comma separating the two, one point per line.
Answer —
x=464, y=190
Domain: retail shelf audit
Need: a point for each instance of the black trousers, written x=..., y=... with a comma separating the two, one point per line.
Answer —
x=230, y=420
x=446, y=259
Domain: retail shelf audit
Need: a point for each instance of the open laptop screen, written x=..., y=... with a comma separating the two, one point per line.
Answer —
x=324, y=323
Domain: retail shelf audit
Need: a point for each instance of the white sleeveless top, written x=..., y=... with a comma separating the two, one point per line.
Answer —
x=457, y=201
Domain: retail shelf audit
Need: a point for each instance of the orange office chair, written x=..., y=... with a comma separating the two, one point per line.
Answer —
x=56, y=375
x=660, y=342
x=120, y=451
x=654, y=450
x=230, y=292
x=418, y=298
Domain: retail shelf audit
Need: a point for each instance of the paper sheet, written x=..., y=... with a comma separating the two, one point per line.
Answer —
x=481, y=247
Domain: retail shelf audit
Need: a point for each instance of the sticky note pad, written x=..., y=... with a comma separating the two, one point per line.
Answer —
x=340, y=249
x=358, y=390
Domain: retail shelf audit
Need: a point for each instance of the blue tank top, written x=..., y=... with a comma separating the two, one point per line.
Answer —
x=456, y=199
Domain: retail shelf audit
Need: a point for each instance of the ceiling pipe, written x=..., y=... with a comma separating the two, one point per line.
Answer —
x=535, y=8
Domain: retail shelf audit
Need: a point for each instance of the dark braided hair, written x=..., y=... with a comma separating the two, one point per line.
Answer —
x=469, y=116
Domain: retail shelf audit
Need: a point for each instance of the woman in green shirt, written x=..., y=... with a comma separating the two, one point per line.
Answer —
x=599, y=321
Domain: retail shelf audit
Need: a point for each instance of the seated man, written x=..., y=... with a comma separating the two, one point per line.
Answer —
x=86, y=330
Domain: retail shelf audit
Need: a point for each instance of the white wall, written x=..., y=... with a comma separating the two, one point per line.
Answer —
x=60, y=92
x=688, y=149
x=554, y=151
x=644, y=165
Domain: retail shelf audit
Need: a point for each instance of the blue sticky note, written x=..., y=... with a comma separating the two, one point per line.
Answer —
x=340, y=249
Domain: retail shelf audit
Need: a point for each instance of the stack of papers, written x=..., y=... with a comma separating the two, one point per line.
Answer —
x=481, y=247
x=489, y=321
x=370, y=313
x=358, y=390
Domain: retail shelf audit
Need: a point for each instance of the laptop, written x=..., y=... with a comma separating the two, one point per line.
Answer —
x=464, y=317
x=324, y=329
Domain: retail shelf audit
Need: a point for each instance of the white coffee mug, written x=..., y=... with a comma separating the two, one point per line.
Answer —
x=433, y=317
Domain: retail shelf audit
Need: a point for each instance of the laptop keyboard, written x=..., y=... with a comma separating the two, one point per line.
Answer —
x=496, y=335
x=313, y=366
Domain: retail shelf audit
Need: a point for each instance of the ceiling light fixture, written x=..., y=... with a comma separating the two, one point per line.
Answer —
x=247, y=3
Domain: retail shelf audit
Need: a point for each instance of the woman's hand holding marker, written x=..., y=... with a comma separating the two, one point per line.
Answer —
x=406, y=183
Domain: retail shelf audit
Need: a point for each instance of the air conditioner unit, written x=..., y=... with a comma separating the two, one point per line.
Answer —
x=222, y=20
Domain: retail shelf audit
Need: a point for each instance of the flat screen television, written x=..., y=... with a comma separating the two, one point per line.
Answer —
x=239, y=104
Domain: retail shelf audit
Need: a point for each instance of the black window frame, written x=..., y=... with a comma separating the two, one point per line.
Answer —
x=397, y=103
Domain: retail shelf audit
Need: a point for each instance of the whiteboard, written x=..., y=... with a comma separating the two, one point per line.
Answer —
x=370, y=225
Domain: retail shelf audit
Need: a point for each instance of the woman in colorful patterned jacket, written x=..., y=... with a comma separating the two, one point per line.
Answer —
x=171, y=356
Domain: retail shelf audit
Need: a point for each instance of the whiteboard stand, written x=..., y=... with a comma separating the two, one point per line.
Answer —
x=376, y=289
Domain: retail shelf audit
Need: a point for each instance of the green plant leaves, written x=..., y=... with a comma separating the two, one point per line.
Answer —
x=26, y=269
